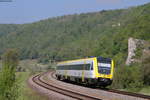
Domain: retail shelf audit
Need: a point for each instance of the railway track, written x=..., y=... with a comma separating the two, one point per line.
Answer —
x=142, y=96
x=53, y=86
x=125, y=93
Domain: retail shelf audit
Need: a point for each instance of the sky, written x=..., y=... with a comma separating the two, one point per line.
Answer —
x=27, y=11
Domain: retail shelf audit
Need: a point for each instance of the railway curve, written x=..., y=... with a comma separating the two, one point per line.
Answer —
x=48, y=81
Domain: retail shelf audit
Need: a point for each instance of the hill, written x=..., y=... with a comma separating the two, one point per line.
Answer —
x=103, y=33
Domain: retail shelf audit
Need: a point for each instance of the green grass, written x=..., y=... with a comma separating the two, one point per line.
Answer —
x=0, y=63
x=145, y=90
x=26, y=93
x=33, y=65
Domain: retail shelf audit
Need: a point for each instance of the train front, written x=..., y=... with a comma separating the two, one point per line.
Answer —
x=105, y=70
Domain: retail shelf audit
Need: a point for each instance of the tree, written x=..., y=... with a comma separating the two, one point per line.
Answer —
x=128, y=77
x=8, y=82
x=146, y=69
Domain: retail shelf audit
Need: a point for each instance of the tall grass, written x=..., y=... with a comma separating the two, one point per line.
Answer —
x=27, y=93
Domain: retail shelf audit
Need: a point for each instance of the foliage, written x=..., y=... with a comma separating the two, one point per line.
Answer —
x=8, y=82
x=102, y=33
x=145, y=90
x=146, y=70
x=43, y=60
x=26, y=93
x=129, y=77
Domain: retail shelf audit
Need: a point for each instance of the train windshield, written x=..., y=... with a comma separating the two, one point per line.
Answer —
x=104, y=66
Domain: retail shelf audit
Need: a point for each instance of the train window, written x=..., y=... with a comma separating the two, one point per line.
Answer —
x=91, y=67
x=75, y=67
x=104, y=68
x=59, y=67
x=87, y=67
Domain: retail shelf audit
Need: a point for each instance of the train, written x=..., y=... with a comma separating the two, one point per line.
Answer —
x=92, y=71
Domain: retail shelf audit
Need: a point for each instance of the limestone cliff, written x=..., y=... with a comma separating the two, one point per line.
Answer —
x=135, y=45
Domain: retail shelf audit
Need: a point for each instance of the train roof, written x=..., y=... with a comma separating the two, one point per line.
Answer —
x=84, y=59
x=68, y=61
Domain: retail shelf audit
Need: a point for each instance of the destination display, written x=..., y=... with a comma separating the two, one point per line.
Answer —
x=104, y=65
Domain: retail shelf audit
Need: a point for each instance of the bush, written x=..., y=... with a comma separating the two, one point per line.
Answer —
x=8, y=82
x=128, y=77
x=43, y=60
x=146, y=70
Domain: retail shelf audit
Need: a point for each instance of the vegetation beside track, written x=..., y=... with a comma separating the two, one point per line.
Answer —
x=26, y=93
x=31, y=67
x=145, y=90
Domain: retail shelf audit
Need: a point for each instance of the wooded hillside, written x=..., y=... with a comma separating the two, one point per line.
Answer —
x=103, y=33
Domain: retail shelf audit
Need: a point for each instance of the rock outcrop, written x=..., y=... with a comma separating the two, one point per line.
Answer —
x=133, y=45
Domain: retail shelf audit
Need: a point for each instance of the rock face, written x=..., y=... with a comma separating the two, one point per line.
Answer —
x=133, y=44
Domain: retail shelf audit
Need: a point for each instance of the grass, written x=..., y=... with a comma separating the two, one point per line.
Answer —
x=27, y=93
x=145, y=90
x=0, y=63
x=33, y=65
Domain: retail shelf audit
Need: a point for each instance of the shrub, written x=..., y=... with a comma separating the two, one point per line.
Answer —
x=128, y=77
x=145, y=70
x=8, y=82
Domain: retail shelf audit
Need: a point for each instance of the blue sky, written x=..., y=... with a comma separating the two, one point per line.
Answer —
x=27, y=11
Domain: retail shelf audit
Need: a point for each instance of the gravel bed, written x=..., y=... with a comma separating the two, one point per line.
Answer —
x=104, y=95
x=50, y=94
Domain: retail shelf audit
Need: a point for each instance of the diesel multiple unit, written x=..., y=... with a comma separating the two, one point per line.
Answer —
x=92, y=71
